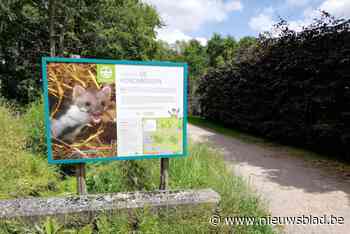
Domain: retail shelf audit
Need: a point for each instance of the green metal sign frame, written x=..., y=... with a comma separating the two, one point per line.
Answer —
x=51, y=160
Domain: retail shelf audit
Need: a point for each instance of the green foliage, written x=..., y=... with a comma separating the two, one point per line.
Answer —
x=107, y=224
x=245, y=49
x=293, y=89
x=119, y=176
x=226, y=130
x=221, y=51
x=105, y=178
x=215, y=50
x=48, y=226
x=120, y=29
x=23, y=39
x=136, y=175
x=51, y=226
x=109, y=29
x=22, y=173
x=35, y=128
x=195, y=55
x=195, y=171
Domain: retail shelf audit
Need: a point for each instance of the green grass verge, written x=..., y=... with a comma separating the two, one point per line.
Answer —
x=26, y=173
x=22, y=172
x=321, y=160
x=203, y=168
x=225, y=130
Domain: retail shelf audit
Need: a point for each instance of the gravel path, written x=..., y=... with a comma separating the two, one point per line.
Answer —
x=289, y=185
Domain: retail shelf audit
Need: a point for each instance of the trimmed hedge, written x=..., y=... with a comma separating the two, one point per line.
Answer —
x=294, y=88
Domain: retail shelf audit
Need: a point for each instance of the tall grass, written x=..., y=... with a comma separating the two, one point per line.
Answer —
x=22, y=173
x=25, y=172
x=203, y=168
x=33, y=120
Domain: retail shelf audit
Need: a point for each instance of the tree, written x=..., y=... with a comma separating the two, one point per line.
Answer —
x=52, y=8
x=195, y=54
x=222, y=50
x=215, y=50
x=119, y=29
x=245, y=48
x=23, y=38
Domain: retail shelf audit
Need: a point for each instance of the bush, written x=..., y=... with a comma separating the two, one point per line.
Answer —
x=294, y=89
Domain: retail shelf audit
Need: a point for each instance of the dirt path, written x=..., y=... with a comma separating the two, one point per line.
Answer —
x=288, y=184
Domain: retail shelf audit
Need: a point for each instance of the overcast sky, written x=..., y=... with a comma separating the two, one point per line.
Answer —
x=187, y=19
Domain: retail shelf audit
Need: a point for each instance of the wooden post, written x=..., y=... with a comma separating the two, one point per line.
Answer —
x=164, y=173
x=80, y=170
x=81, y=176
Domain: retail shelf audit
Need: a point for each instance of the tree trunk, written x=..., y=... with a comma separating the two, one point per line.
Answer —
x=61, y=39
x=52, y=6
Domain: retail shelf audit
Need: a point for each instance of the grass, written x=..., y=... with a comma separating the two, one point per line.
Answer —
x=225, y=130
x=22, y=172
x=320, y=159
x=203, y=168
x=25, y=172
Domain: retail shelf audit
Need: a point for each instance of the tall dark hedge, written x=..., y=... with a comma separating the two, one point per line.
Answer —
x=294, y=89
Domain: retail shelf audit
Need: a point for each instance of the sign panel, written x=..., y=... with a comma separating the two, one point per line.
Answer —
x=114, y=110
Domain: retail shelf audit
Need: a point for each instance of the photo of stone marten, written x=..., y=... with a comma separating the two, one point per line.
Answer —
x=82, y=112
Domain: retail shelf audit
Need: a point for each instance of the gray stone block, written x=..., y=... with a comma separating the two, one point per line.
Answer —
x=88, y=206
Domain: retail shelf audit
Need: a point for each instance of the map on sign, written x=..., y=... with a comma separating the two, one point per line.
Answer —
x=107, y=109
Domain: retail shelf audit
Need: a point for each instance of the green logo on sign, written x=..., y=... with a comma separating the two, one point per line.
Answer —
x=105, y=73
